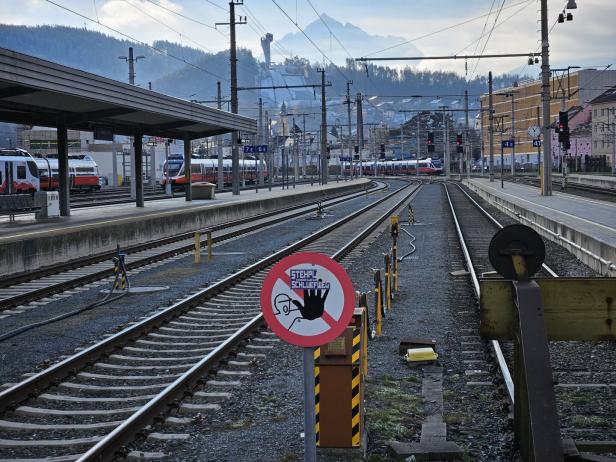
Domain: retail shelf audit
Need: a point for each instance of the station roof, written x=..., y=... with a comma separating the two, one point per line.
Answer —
x=38, y=92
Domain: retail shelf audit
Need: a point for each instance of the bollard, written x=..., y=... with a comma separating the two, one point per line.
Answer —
x=378, y=303
x=198, y=247
x=362, y=319
x=116, y=270
x=387, y=282
x=339, y=367
x=411, y=215
x=209, y=245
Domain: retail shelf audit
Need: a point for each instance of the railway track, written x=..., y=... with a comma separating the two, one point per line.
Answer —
x=583, y=372
x=122, y=195
x=22, y=289
x=592, y=192
x=88, y=406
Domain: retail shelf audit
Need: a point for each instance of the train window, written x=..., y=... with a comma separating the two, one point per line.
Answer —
x=33, y=169
x=195, y=168
x=21, y=172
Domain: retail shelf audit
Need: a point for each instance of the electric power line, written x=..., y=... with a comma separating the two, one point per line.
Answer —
x=157, y=50
x=453, y=26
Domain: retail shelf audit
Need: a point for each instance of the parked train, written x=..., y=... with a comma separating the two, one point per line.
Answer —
x=21, y=173
x=207, y=170
x=18, y=172
x=401, y=167
x=83, y=172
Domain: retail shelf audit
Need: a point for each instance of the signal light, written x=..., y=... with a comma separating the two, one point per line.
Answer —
x=356, y=149
x=430, y=141
x=561, y=18
x=459, y=139
x=382, y=151
x=563, y=129
x=569, y=16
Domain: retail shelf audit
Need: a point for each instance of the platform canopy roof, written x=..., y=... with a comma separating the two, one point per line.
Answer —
x=38, y=92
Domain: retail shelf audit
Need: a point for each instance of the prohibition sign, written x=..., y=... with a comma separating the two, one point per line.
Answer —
x=307, y=299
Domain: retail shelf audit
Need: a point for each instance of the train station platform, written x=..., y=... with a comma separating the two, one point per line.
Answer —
x=26, y=244
x=585, y=227
x=605, y=181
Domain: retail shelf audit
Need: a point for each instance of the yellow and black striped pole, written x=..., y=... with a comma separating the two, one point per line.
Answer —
x=116, y=271
x=388, y=282
x=355, y=403
x=317, y=391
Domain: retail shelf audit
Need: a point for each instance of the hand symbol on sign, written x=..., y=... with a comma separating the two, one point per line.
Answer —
x=314, y=303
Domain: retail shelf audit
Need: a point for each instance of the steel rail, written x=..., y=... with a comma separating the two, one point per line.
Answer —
x=502, y=363
x=21, y=391
x=286, y=213
x=108, y=447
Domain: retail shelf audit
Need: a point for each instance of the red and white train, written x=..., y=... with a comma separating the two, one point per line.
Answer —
x=20, y=173
x=207, y=170
x=83, y=172
x=399, y=167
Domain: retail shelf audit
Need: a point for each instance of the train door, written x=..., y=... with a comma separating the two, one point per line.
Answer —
x=6, y=178
x=8, y=169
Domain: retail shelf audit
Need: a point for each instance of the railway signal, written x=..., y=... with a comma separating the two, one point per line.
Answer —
x=430, y=141
x=563, y=130
x=459, y=148
x=382, y=152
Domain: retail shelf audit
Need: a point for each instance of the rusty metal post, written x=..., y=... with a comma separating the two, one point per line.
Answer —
x=209, y=245
x=198, y=247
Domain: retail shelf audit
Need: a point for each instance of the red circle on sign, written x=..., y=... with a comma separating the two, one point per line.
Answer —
x=336, y=326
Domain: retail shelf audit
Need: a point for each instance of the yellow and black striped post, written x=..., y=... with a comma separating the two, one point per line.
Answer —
x=317, y=391
x=116, y=271
x=355, y=404
x=388, y=282
x=411, y=215
x=378, y=295
x=198, y=247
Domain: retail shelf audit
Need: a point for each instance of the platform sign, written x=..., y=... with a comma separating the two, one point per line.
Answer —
x=307, y=299
x=259, y=149
x=508, y=143
x=536, y=143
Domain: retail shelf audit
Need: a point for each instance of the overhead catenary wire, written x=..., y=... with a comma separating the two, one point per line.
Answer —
x=164, y=24
x=329, y=29
x=444, y=29
x=140, y=42
x=485, y=44
x=478, y=40
x=177, y=13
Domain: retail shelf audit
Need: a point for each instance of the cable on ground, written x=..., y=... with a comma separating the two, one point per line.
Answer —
x=107, y=299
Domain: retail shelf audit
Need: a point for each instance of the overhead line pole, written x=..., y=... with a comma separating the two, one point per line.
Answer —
x=466, y=138
x=221, y=174
x=235, y=155
x=360, y=130
x=491, y=127
x=348, y=103
x=324, y=171
x=545, y=98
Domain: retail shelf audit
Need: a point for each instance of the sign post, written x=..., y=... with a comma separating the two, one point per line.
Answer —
x=308, y=300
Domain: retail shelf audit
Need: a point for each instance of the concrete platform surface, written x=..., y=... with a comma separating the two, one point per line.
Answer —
x=27, y=244
x=605, y=181
x=564, y=218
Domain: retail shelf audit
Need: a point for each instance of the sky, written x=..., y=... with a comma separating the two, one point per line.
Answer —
x=589, y=40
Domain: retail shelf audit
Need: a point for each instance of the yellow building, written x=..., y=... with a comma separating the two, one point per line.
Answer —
x=580, y=88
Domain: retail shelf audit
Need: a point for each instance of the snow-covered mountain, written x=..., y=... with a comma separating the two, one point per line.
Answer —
x=355, y=40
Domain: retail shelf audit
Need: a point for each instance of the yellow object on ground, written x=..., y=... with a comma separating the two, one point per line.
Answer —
x=420, y=354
